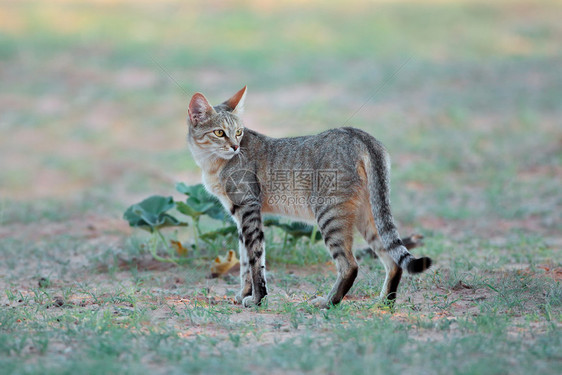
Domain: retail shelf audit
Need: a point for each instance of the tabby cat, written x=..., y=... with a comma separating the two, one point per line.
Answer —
x=338, y=179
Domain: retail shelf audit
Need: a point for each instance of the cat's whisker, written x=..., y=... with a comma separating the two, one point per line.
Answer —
x=242, y=155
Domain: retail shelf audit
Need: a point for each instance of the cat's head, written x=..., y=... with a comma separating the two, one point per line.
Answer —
x=216, y=130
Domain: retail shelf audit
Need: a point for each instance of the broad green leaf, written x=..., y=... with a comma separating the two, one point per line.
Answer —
x=201, y=207
x=231, y=229
x=295, y=229
x=218, y=212
x=194, y=191
x=186, y=209
x=150, y=214
x=200, y=202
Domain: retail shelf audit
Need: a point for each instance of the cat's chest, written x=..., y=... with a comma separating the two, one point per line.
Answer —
x=214, y=185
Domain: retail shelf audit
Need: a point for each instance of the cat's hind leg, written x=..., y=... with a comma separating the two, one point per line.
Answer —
x=366, y=227
x=336, y=227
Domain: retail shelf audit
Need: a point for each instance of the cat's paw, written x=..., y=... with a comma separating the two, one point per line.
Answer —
x=321, y=303
x=239, y=298
x=243, y=293
x=249, y=301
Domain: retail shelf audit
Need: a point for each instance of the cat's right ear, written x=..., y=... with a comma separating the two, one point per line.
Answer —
x=199, y=109
x=236, y=103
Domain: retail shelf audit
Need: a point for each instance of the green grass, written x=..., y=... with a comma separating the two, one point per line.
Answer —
x=350, y=338
x=468, y=316
x=91, y=124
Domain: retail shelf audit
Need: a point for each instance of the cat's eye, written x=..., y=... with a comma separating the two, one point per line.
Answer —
x=219, y=133
x=238, y=132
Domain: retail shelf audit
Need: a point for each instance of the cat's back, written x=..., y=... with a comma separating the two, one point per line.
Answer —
x=339, y=146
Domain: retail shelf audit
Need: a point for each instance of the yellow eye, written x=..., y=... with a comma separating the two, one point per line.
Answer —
x=219, y=133
x=238, y=132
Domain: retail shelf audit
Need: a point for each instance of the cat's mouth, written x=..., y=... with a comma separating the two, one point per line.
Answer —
x=229, y=154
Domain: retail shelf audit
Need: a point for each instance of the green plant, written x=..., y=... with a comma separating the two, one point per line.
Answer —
x=200, y=203
x=153, y=214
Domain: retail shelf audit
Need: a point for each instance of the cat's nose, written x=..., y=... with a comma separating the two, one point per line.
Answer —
x=234, y=147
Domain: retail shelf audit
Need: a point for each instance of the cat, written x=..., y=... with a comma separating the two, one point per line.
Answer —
x=338, y=179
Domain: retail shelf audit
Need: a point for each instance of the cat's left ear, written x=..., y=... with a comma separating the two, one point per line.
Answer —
x=236, y=102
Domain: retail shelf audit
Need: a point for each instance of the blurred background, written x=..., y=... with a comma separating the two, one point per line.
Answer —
x=466, y=95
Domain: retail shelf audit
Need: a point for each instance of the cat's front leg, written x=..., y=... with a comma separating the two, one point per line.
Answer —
x=252, y=237
x=245, y=276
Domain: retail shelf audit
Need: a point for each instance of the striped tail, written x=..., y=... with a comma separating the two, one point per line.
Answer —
x=378, y=176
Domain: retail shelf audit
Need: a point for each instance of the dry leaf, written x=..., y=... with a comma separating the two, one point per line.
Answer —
x=222, y=264
x=180, y=249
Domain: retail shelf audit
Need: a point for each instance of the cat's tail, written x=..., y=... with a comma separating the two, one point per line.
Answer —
x=378, y=176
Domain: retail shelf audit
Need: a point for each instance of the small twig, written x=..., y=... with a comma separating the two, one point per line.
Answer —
x=169, y=75
x=379, y=88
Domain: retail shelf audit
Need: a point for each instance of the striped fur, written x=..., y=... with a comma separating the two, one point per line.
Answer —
x=338, y=179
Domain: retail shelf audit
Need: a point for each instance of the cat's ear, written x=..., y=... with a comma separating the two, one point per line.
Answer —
x=236, y=102
x=199, y=109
